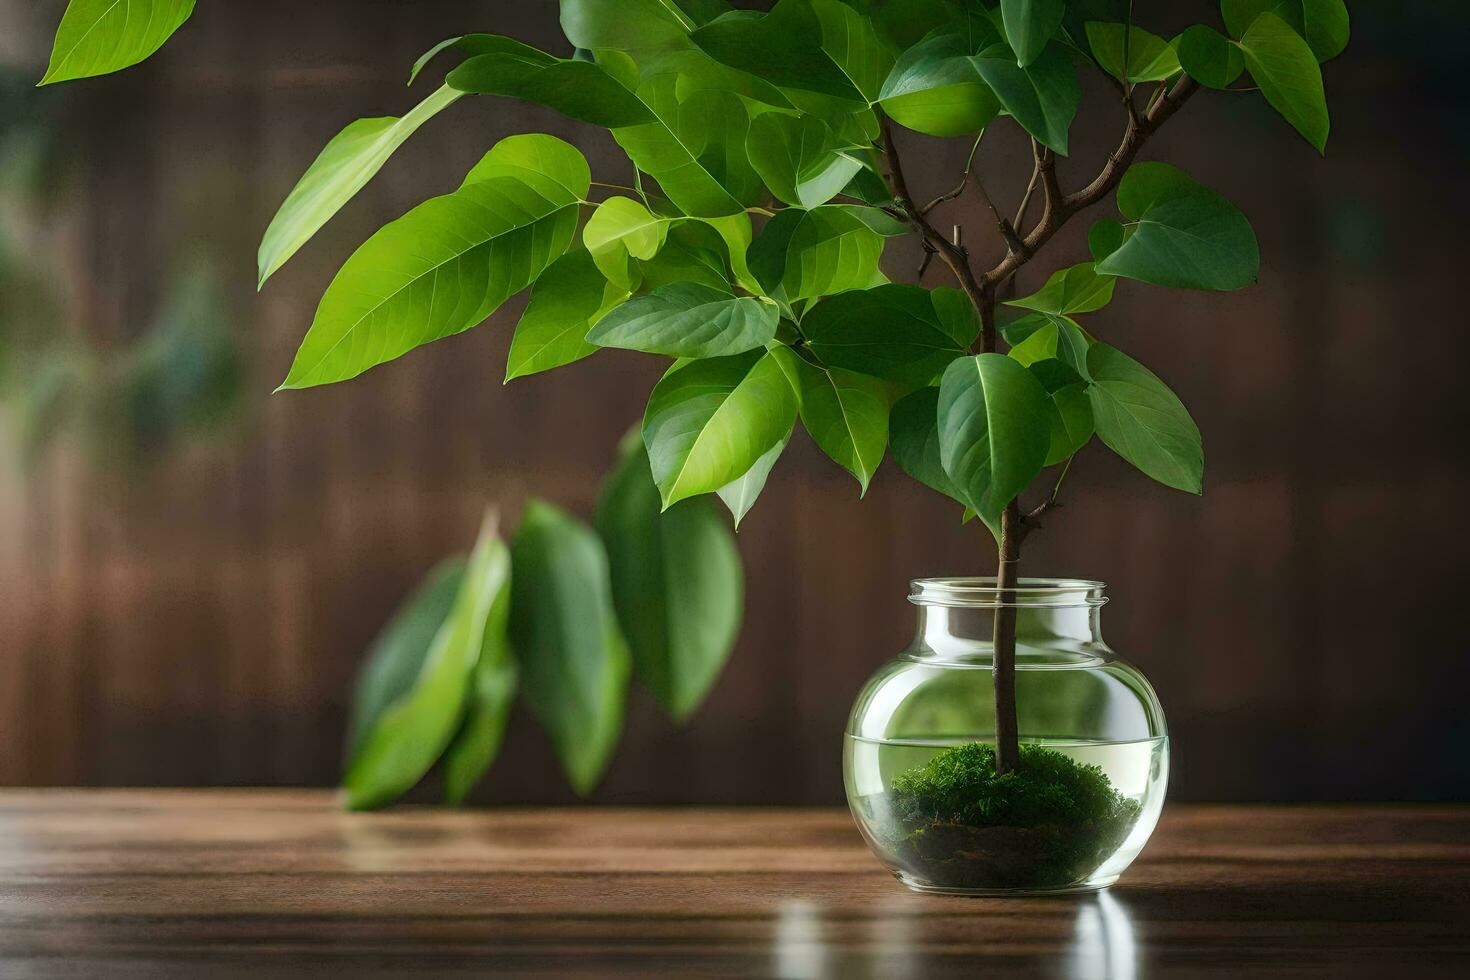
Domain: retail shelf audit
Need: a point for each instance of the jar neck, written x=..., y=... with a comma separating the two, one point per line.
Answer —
x=1056, y=619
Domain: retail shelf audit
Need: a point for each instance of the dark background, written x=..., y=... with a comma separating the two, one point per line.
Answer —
x=191, y=610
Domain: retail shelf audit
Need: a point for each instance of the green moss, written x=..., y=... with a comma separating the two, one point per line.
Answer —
x=1049, y=823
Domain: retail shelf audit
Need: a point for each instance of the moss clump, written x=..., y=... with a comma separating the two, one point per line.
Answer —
x=1049, y=823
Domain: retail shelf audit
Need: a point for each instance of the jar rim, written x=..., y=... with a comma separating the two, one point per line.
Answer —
x=980, y=592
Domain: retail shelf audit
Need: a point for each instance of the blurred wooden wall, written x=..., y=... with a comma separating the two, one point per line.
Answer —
x=199, y=620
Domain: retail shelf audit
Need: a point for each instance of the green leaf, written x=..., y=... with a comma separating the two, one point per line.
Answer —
x=935, y=88
x=710, y=421
x=740, y=495
x=695, y=148
x=1071, y=422
x=639, y=27
x=899, y=332
x=914, y=436
x=798, y=158
x=695, y=252
x=488, y=701
x=534, y=158
x=1323, y=23
x=688, y=320
x=1029, y=25
x=677, y=584
x=1075, y=289
x=397, y=655
x=580, y=89
x=620, y=231
x=344, y=167
x=574, y=660
x=1286, y=70
x=803, y=45
x=409, y=735
x=847, y=416
x=567, y=299
x=994, y=430
x=1140, y=419
x=1042, y=97
x=1150, y=58
x=444, y=266
x=100, y=36
x=1183, y=234
x=1053, y=337
x=473, y=45
x=1209, y=57
x=816, y=253
x=1105, y=237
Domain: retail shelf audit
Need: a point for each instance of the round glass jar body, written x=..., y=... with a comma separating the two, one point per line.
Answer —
x=919, y=762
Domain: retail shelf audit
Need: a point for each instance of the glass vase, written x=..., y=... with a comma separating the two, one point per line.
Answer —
x=919, y=759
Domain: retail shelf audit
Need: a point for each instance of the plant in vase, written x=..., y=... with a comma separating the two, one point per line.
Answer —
x=766, y=180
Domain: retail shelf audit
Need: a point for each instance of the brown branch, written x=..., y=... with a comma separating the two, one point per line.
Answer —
x=1020, y=219
x=1007, y=230
x=1060, y=207
x=954, y=256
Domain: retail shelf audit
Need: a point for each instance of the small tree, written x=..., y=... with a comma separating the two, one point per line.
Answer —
x=751, y=253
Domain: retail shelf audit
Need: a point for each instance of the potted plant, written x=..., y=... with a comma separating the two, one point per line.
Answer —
x=766, y=181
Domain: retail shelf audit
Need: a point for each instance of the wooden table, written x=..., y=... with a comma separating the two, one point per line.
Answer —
x=267, y=884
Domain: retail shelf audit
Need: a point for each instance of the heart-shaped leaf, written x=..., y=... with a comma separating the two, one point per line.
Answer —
x=994, y=430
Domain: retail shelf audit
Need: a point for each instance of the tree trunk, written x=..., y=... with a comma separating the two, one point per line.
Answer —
x=1003, y=642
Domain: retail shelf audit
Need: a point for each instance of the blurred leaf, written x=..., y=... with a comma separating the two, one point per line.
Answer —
x=397, y=655
x=344, y=167
x=567, y=299
x=476, y=745
x=573, y=658
x=677, y=583
x=1183, y=235
x=1140, y=419
x=1286, y=70
x=688, y=320
x=446, y=265
x=100, y=36
x=710, y=421
x=406, y=737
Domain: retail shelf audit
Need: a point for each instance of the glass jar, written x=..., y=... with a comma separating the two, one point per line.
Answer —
x=919, y=761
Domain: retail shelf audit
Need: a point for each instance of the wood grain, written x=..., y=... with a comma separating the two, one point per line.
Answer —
x=198, y=622
x=282, y=883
